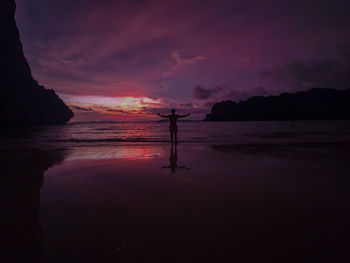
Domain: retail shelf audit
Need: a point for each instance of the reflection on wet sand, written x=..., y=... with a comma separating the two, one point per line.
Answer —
x=311, y=150
x=20, y=183
x=101, y=205
x=173, y=160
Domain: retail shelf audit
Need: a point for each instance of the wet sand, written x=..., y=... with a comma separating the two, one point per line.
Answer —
x=200, y=203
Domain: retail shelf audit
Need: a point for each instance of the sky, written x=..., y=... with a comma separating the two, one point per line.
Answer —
x=129, y=60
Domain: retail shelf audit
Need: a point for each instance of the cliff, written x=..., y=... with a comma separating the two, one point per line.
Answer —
x=312, y=104
x=23, y=100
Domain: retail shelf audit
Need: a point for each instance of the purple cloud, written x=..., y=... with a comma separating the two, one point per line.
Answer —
x=201, y=93
x=317, y=73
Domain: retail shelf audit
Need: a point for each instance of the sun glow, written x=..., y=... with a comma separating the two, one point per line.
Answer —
x=115, y=108
x=109, y=101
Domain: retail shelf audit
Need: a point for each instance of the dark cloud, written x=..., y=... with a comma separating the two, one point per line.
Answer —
x=208, y=104
x=186, y=105
x=79, y=108
x=199, y=111
x=116, y=110
x=238, y=95
x=331, y=72
x=201, y=93
x=155, y=111
x=222, y=92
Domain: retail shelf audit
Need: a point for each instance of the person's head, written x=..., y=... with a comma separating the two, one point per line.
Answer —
x=173, y=111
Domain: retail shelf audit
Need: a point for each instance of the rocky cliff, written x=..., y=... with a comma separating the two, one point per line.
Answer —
x=23, y=100
x=312, y=104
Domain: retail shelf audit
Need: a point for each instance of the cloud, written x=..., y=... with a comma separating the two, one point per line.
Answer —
x=186, y=105
x=116, y=110
x=238, y=95
x=201, y=93
x=79, y=108
x=208, y=104
x=182, y=61
x=332, y=72
x=222, y=92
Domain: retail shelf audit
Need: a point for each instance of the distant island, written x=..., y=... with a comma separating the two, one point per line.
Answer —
x=304, y=105
x=23, y=100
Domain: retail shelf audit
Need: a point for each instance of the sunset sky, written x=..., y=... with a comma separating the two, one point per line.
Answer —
x=128, y=60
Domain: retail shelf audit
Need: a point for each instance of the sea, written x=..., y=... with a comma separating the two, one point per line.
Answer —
x=118, y=133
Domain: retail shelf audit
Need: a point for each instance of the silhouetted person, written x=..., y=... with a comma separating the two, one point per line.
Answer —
x=173, y=120
x=173, y=160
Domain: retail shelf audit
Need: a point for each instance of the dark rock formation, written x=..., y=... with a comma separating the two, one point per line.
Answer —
x=312, y=104
x=22, y=100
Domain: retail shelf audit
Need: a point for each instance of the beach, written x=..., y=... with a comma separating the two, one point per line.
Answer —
x=266, y=195
x=174, y=131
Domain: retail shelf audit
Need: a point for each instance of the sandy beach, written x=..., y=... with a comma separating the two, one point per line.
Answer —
x=196, y=203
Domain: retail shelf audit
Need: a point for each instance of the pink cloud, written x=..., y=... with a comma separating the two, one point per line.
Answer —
x=181, y=61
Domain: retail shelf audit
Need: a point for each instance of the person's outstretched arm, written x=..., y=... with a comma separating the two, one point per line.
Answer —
x=183, y=116
x=164, y=116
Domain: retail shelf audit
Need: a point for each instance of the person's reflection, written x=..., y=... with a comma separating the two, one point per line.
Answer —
x=22, y=174
x=173, y=160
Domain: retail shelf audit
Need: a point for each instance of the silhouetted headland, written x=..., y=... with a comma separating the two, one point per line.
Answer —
x=23, y=100
x=315, y=104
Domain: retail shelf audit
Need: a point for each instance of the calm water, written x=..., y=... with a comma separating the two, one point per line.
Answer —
x=109, y=134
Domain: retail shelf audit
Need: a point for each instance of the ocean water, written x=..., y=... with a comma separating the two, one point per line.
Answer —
x=110, y=134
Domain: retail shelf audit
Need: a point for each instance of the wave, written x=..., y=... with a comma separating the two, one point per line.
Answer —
x=109, y=140
x=140, y=140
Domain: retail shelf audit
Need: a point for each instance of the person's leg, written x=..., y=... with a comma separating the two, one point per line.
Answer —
x=175, y=133
x=171, y=135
